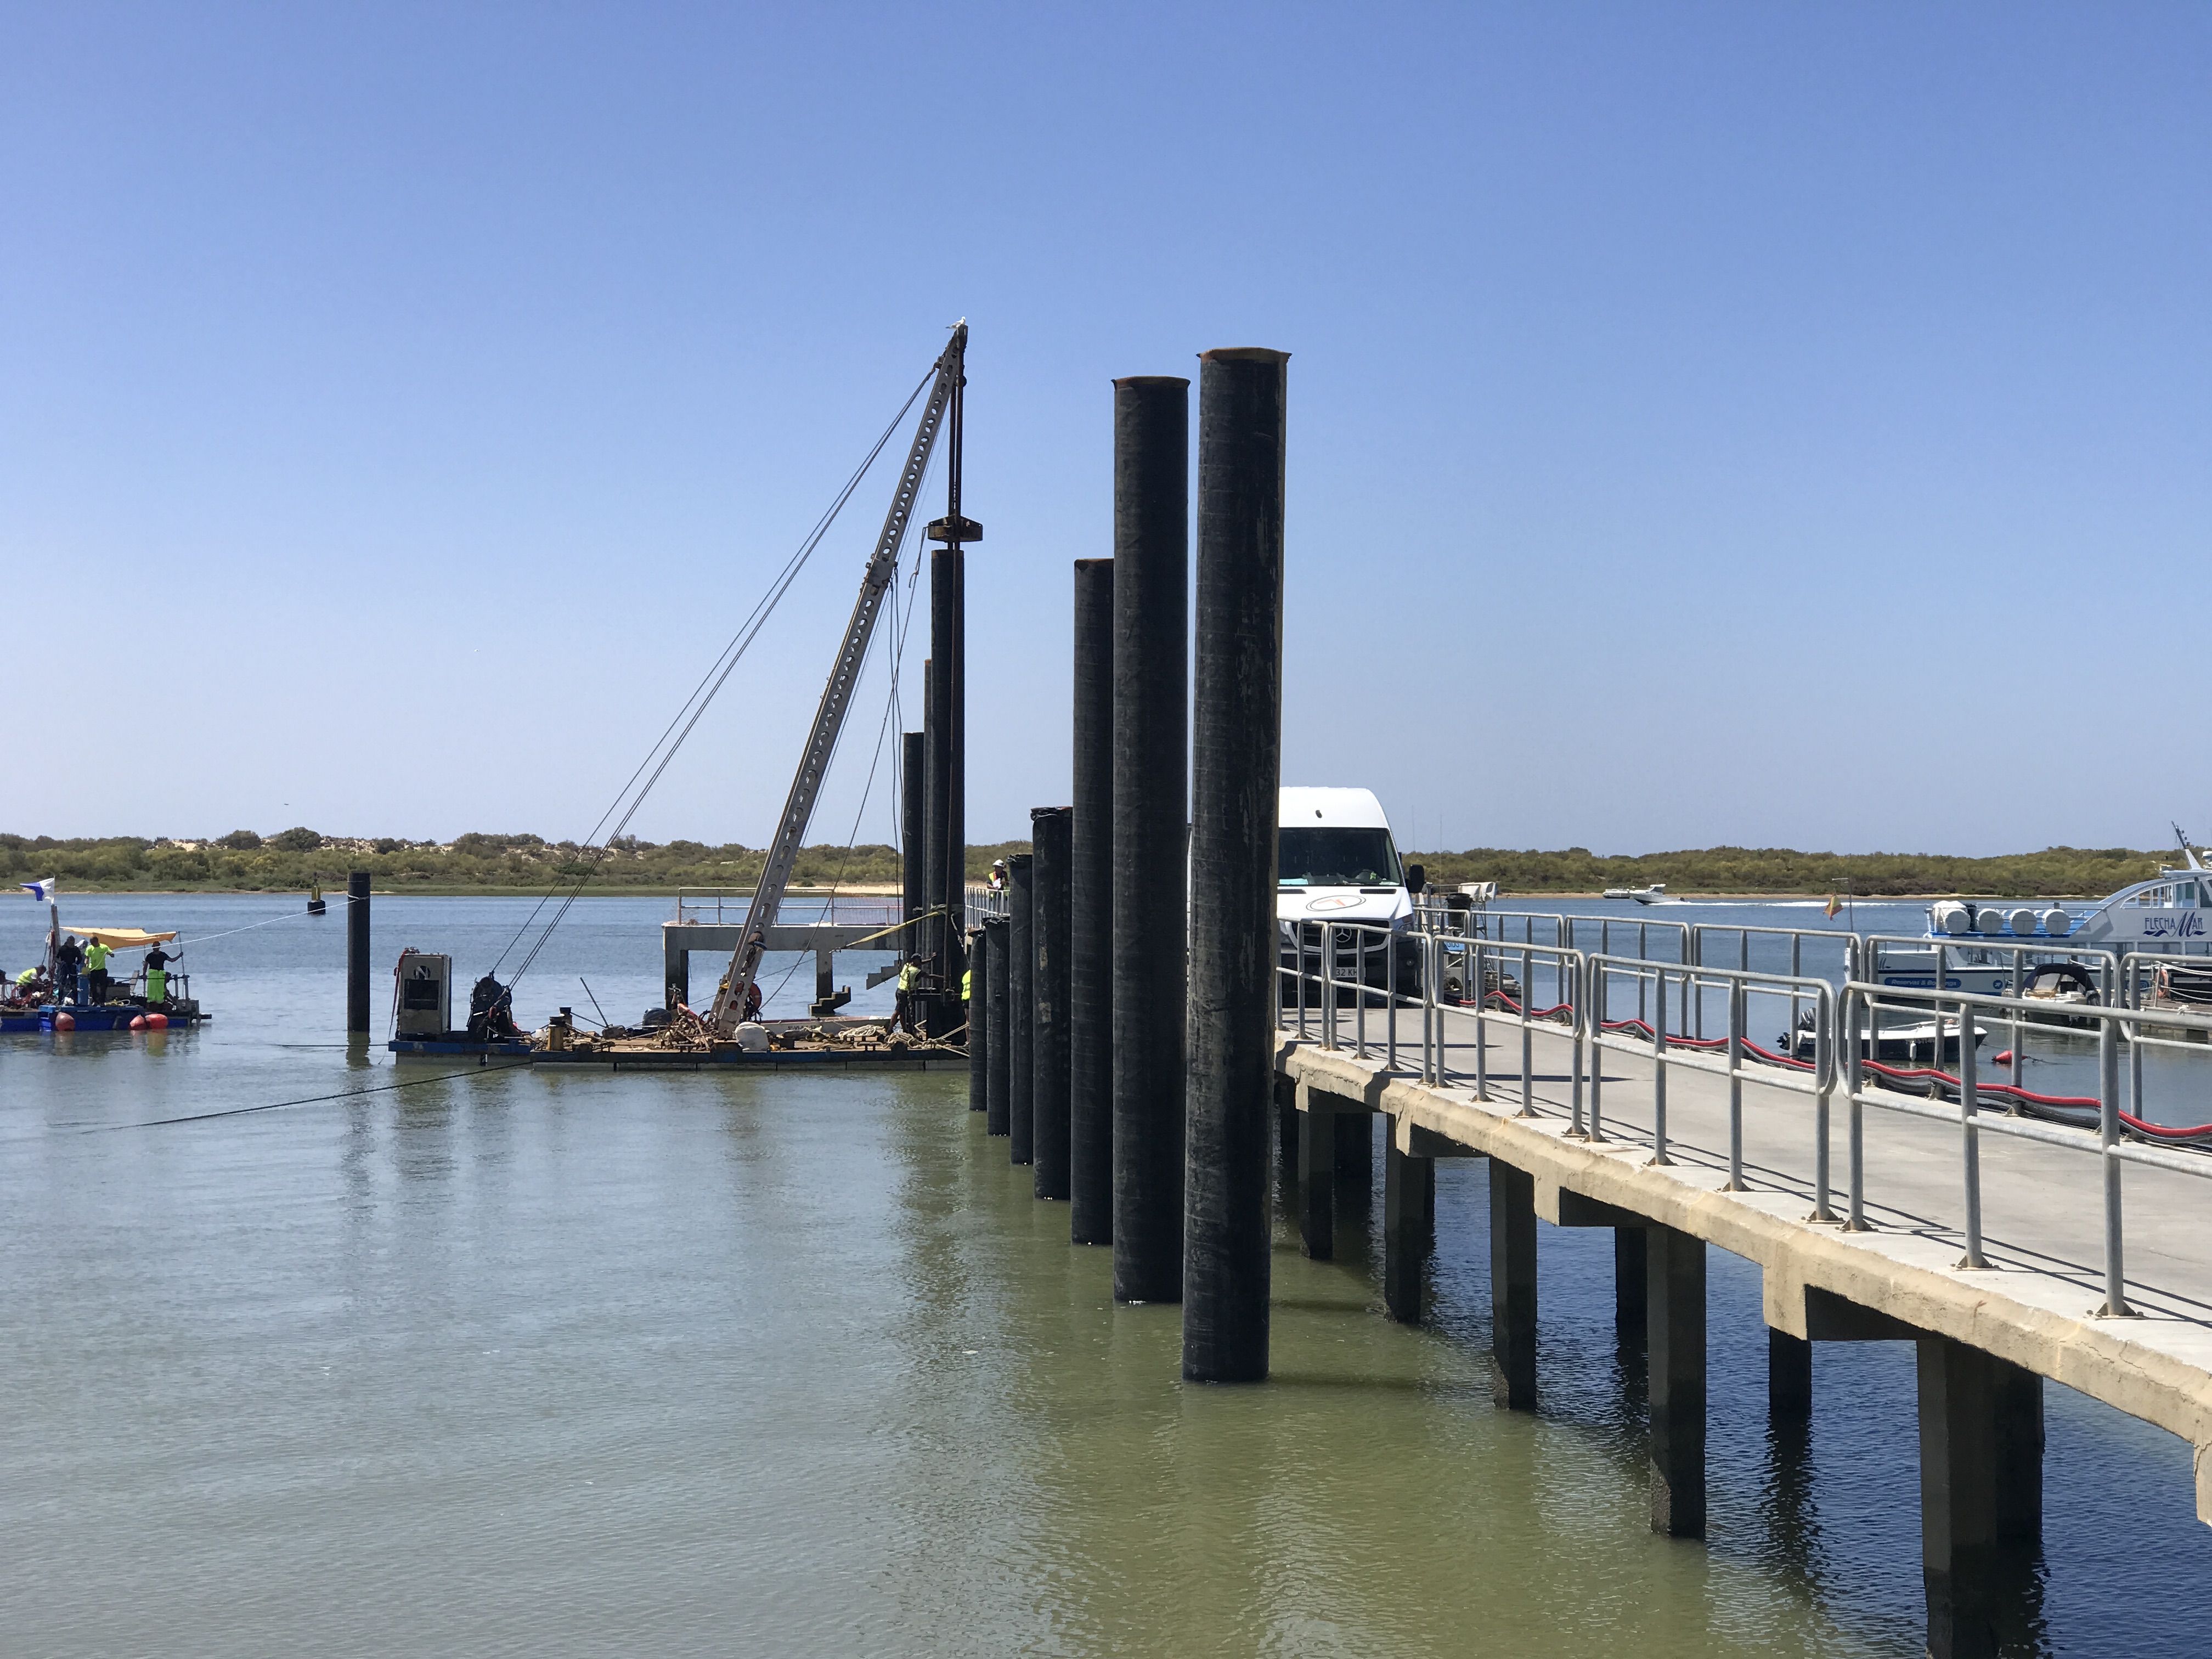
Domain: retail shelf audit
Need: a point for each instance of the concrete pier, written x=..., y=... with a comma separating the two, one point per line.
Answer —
x=1985, y=1337
x=1674, y=1295
x=1513, y=1284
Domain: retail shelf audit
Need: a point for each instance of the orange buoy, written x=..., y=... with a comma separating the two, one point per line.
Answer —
x=137, y=1022
x=65, y=1022
x=157, y=1022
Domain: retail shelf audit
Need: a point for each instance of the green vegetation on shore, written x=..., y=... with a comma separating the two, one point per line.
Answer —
x=2055, y=871
x=243, y=861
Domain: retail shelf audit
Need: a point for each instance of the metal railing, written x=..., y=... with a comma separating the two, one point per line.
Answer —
x=1733, y=1055
x=728, y=905
x=1864, y=1000
x=1329, y=945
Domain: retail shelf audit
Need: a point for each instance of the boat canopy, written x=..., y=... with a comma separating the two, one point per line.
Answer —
x=120, y=938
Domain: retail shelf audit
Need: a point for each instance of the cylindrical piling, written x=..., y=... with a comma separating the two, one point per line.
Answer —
x=1049, y=827
x=1021, y=980
x=1090, y=914
x=997, y=959
x=1237, y=749
x=1152, y=559
x=979, y=1024
x=937, y=895
x=357, y=953
x=913, y=831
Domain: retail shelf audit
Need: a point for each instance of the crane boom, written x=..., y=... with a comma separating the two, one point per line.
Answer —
x=836, y=697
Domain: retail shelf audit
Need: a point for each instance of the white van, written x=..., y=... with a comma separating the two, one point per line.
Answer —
x=1336, y=861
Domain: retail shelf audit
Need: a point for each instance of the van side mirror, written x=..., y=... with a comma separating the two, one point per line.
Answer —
x=1417, y=878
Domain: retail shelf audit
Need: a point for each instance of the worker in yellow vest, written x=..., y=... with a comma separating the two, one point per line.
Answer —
x=903, y=1010
x=95, y=969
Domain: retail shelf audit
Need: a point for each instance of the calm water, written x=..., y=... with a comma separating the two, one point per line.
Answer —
x=512, y=1363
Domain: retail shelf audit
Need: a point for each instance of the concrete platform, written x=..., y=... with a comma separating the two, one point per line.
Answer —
x=2043, y=1216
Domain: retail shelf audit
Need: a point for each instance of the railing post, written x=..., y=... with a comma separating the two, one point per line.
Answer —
x=1298, y=956
x=1390, y=994
x=1969, y=1136
x=1359, y=1010
x=1737, y=1004
x=1855, y=1003
x=1599, y=975
x=1824, y=1077
x=1570, y=992
x=1658, y=1065
x=2108, y=1132
x=1527, y=1036
x=1482, y=1014
x=1327, y=986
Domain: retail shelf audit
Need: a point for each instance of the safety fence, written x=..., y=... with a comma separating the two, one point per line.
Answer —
x=1348, y=986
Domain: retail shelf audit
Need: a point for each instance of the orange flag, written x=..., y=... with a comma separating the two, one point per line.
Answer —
x=1834, y=904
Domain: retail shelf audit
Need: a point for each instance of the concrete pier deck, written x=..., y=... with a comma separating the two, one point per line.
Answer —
x=2043, y=1216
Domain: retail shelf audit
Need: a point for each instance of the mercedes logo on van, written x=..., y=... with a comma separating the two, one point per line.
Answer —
x=1333, y=901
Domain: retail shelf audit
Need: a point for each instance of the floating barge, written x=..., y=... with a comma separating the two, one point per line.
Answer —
x=834, y=1045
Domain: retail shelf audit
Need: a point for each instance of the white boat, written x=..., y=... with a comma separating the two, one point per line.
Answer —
x=2170, y=912
x=1655, y=894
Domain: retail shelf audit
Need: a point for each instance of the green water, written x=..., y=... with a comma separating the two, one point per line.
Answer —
x=554, y=1364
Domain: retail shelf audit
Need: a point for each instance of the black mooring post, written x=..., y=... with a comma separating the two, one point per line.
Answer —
x=942, y=932
x=1049, y=827
x=956, y=787
x=1236, y=695
x=998, y=1030
x=1151, y=569
x=357, y=953
x=978, y=1023
x=1091, y=916
x=1021, y=1009
x=913, y=831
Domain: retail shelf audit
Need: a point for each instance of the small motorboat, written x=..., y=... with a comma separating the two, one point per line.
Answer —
x=1897, y=1043
x=1655, y=894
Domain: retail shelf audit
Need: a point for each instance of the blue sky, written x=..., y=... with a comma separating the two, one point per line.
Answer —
x=1767, y=424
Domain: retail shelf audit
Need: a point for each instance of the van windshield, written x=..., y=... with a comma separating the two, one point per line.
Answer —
x=1335, y=858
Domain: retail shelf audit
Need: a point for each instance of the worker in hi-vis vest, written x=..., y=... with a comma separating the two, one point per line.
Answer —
x=95, y=969
x=902, y=1012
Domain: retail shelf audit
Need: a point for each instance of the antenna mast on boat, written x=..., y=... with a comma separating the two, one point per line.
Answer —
x=836, y=698
x=2188, y=853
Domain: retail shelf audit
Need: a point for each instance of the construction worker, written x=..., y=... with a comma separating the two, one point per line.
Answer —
x=68, y=956
x=902, y=1007
x=95, y=967
x=998, y=875
x=157, y=975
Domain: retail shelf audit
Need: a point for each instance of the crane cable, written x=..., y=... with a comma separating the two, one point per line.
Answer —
x=695, y=706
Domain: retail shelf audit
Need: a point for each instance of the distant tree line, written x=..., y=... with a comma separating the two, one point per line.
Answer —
x=2053, y=873
x=244, y=861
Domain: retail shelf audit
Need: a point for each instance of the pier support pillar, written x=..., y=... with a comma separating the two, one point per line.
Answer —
x=1355, y=1160
x=1513, y=1283
x=1021, y=1011
x=1286, y=1140
x=1090, y=914
x=1151, y=920
x=979, y=1024
x=1317, y=1179
x=1409, y=1207
x=1789, y=1375
x=1674, y=1290
x=357, y=953
x=998, y=1024
x=1628, y=1287
x=1049, y=1096
x=1980, y=1423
